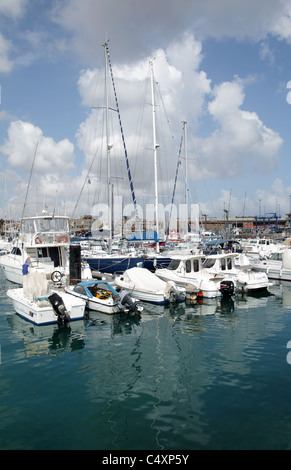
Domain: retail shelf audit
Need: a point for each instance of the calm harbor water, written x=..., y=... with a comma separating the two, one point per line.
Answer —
x=215, y=375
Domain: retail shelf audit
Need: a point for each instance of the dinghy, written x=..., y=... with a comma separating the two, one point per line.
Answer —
x=102, y=297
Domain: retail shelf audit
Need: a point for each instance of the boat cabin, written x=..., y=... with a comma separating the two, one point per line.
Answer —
x=186, y=265
x=220, y=263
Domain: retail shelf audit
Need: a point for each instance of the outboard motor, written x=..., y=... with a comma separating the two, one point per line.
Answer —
x=59, y=308
x=227, y=288
x=127, y=301
x=177, y=294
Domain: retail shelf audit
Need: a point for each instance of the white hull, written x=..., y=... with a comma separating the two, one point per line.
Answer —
x=276, y=273
x=209, y=289
x=12, y=271
x=276, y=268
x=155, y=298
x=42, y=313
x=249, y=281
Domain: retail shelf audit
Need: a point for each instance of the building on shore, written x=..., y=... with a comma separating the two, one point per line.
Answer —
x=247, y=226
x=241, y=226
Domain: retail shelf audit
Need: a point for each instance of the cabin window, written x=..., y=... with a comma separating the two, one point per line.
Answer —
x=174, y=264
x=223, y=264
x=209, y=263
x=188, y=266
x=16, y=251
x=195, y=265
x=229, y=263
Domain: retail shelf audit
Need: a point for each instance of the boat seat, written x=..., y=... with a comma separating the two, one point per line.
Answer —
x=40, y=299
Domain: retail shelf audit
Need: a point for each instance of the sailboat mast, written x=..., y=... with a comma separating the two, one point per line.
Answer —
x=155, y=156
x=108, y=147
x=186, y=173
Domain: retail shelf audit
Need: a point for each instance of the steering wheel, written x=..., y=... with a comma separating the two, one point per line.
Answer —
x=56, y=276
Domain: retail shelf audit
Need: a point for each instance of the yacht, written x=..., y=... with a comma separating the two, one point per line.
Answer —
x=43, y=245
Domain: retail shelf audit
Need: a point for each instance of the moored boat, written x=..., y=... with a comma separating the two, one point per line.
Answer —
x=277, y=267
x=102, y=297
x=146, y=286
x=42, y=304
x=244, y=278
x=187, y=271
x=43, y=245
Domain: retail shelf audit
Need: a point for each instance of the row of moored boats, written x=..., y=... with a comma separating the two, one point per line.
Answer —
x=56, y=283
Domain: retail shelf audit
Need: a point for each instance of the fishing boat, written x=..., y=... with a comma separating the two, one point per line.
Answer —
x=41, y=303
x=43, y=245
x=187, y=271
x=102, y=297
x=146, y=286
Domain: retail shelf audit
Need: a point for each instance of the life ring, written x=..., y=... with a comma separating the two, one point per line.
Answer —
x=38, y=240
x=63, y=239
x=228, y=251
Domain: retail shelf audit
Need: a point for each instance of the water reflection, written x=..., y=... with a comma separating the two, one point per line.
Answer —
x=174, y=377
x=117, y=324
x=47, y=339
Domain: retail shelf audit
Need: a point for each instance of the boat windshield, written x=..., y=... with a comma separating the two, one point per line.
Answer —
x=209, y=263
x=174, y=263
x=276, y=257
x=45, y=224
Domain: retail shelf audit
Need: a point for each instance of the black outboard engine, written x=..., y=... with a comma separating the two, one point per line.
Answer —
x=59, y=308
x=226, y=288
x=127, y=301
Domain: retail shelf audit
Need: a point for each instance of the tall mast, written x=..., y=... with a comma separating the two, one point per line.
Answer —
x=186, y=173
x=155, y=156
x=108, y=148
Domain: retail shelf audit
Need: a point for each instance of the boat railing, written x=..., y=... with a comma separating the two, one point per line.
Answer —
x=47, y=238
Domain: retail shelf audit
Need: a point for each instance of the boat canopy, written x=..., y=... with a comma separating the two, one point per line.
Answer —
x=44, y=224
x=97, y=284
x=144, y=236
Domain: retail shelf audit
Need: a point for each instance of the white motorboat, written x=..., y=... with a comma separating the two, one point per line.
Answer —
x=42, y=304
x=260, y=248
x=146, y=286
x=102, y=297
x=188, y=272
x=244, y=278
x=43, y=245
x=278, y=266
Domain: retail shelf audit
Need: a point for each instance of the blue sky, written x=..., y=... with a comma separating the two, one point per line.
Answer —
x=221, y=65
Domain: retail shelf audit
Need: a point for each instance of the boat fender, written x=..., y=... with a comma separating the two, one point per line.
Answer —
x=62, y=239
